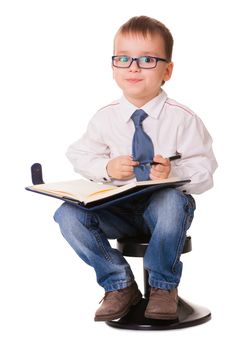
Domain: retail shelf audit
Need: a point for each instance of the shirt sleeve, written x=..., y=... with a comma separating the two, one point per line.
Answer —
x=89, y=155
x=197, y=161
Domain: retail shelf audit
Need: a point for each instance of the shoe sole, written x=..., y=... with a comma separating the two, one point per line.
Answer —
x=122, y=313
x=161, y=316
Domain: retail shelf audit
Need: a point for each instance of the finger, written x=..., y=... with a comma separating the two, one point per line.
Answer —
x=159, y=159
x=159, y=175
x=134, y=163
x=126, y=168
x=129, y=162
x=126, y=175
x=152, y=177
x=155, y=173
x=129, y=165
x=160, y=168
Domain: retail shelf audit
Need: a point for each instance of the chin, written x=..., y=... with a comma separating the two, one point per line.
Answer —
x=134, y=90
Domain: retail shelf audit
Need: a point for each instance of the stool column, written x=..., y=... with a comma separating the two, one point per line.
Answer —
x=146, y=284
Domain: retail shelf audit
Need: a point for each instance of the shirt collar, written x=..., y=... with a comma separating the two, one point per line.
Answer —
x=152, y=107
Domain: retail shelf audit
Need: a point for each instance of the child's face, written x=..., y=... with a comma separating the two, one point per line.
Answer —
x=141, y=85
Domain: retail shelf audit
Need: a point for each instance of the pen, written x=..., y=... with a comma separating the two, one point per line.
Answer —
x=177, y=156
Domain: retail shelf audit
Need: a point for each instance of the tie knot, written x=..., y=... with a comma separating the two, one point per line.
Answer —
x=138, y=116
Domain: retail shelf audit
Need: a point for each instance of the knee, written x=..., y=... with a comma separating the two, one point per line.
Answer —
x=67, y=214
x=169, y=199
x=62, y=213
x=167, y=208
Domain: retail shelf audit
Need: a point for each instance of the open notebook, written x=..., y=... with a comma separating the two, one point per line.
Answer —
x=90, y=194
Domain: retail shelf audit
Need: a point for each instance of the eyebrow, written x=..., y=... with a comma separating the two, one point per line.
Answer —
x=145, y=53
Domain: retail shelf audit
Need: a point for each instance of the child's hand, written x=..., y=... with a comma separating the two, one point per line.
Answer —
x=161, y=170
x=121, y=168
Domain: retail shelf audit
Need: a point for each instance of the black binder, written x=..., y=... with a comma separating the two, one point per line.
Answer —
x=116, y=199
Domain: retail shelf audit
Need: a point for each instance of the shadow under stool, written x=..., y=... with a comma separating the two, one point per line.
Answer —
x=188, y=314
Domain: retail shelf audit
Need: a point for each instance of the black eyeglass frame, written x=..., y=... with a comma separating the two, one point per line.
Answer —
x=137, y=60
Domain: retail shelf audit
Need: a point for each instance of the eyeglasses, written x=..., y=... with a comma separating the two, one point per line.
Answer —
x=145, y=62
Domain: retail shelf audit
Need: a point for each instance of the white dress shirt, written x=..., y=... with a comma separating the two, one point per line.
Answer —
x=172, y=128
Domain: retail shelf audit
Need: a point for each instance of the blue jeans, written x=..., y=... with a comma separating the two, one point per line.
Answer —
x=165, y=215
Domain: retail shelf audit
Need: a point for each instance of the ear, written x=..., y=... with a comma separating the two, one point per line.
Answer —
x=168, y=71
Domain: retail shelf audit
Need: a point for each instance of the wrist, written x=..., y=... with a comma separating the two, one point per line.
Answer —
x=108, y=171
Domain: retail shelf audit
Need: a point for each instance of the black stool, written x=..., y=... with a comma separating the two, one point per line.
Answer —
x=188, y=314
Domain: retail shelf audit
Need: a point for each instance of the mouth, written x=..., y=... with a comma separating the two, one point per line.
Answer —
x=133, y=80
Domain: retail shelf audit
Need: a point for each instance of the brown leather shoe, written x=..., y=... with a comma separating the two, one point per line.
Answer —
x=162, y=304
x=117, y=303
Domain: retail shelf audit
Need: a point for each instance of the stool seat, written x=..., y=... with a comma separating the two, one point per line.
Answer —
x=136, y=246
x=188, y=314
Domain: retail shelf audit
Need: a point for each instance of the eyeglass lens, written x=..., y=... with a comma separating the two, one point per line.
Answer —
x=142, y=61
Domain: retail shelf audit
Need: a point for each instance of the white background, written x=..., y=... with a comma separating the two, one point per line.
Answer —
x=55, y=73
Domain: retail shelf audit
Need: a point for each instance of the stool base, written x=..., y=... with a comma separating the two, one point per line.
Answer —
x=188, y=315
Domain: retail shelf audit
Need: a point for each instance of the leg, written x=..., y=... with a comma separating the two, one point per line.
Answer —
x=83, y=231
x=168, y=216
x=88, y=233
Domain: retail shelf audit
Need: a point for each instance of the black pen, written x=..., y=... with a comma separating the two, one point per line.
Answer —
x=177, y=156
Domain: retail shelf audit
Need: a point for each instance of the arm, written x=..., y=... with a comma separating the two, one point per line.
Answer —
x=198, y=161
x=89, y=155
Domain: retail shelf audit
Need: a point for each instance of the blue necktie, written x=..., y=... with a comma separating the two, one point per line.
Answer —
x=142, y=147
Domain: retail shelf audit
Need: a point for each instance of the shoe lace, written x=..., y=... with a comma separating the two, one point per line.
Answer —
x=109, y=293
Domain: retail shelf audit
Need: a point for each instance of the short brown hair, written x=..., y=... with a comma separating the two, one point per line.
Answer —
x=146, y=25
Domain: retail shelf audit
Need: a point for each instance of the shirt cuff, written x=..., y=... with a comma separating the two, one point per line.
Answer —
x=106, y=178
x=99, y=172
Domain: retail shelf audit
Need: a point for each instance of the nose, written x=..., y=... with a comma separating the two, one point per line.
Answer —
x=134, y=66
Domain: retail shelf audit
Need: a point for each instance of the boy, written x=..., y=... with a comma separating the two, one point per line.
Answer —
x=121, y=142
